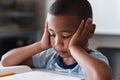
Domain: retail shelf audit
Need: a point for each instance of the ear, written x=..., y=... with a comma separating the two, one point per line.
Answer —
x=93, y=27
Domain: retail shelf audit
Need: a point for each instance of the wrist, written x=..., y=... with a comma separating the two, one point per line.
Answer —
x=73, y=48
x=38, y=47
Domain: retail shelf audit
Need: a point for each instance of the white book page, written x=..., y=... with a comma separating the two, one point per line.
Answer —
x=41, y=75
x=15, y=69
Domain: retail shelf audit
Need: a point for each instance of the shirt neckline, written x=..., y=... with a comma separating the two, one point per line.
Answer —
x=61, y=64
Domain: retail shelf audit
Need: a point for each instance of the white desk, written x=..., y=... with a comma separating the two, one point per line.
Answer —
x=38, y=74
x=35, y=75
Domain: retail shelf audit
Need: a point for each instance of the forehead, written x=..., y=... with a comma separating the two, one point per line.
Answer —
x=63, y=22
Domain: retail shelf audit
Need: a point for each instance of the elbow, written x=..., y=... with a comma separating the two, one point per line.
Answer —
x=4, y=61
x=103, y=74
x=7, y=60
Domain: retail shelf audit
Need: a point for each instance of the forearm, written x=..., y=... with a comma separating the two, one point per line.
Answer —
x=18, y=55
x=94, y=68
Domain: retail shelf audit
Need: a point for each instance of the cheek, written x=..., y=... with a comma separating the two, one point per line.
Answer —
x=67, y=43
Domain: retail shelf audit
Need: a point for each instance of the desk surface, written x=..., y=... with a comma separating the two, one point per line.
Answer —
x=35, y=74
x=40, y=74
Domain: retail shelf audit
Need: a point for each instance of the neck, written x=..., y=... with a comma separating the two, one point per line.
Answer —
x=68, y=61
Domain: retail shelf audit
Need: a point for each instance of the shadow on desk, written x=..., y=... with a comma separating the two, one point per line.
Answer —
x=113, y=55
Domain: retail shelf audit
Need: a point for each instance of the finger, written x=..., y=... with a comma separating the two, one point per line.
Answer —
x=88, y=24
x=80, y=28
x=92, y=31
x=93, y=28
x=46, y=28
x=78, y=32
x=87, y=28
x=46, y=34
x=46, y=25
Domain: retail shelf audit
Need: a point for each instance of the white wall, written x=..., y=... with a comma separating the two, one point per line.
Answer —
x=106, y=15
x=48, y=4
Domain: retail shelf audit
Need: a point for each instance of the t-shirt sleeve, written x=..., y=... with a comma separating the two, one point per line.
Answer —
x=40, y=60
x=100, y=56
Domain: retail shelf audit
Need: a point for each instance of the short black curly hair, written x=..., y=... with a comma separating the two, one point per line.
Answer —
x=80, y=8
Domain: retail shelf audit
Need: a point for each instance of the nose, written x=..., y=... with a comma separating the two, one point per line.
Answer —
x=59, y=43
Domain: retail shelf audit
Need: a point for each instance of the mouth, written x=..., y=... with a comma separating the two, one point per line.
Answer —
x=61, y=52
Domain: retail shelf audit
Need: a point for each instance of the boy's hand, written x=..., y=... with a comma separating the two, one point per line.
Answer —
x=45, y=41
x=83, y=33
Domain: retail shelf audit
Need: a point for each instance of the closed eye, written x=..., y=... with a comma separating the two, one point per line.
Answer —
x=65, y=37
x=67, y=34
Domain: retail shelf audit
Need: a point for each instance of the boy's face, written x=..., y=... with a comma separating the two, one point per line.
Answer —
x=61, y=29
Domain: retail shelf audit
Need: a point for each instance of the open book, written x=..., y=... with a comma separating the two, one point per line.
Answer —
x=26, y=73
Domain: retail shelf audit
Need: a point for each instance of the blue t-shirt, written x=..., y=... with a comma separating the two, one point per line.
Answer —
x=50, y=60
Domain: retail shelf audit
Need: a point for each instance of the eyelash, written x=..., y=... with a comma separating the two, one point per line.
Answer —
x=63, y=36
x=66, y=37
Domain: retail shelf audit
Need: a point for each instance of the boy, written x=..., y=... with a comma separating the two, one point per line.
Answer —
x=64, y=45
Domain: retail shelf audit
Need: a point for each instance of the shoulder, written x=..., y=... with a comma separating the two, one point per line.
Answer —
x=47, y=53
x=42, y=59
x=99, y=55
